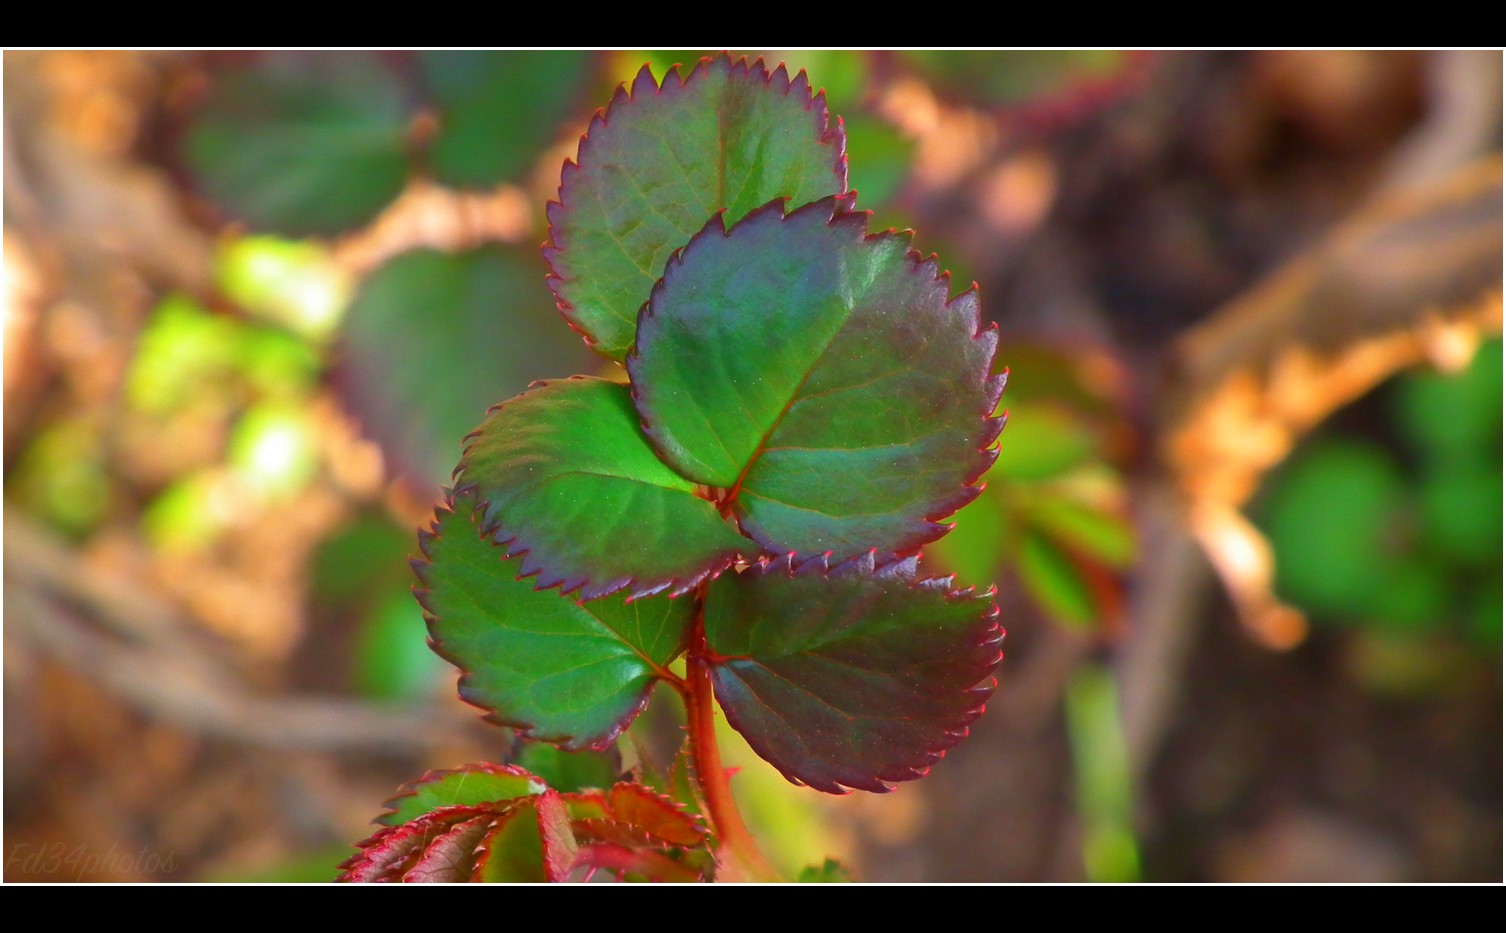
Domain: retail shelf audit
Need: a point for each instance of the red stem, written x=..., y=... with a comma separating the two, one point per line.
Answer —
x=738, y=856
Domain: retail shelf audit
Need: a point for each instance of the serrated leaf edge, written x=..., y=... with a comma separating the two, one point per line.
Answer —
x=411, y=788
x=833, y=134
x=841, y=210
x=867, y=564
x=527, y=730
x=515, y=544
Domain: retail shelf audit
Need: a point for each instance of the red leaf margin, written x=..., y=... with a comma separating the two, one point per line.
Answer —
x=831, y=133
x=902, y=569
x=842, y=212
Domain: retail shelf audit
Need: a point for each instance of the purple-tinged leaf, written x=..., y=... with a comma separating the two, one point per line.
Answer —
x=392, y=851
x=660, y=160
x=450, y=858
x=565, y=478
x=821, y=378
x=472, y=785
x=558, y=670
x=853, y=677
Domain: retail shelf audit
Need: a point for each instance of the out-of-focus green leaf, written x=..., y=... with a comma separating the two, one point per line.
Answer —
x=1105, y=788
x=569, y=772
x=1461, y=512
x=358, y=559
x=1484, y=619
x=1335, y=518
x=302, y=143
x=830, y=871
x=1043, y=442
x=1454, y=416
x=271, y=450
x=1020, y=76
x=292, y=282
x=656, y=165
x=1093, y=532
x=1055, y=581
x=433, y=339
x=499, y=109
x=822, y=376
x=61, y=476
x=392, y=656
x=976, y=548
x=878, y=159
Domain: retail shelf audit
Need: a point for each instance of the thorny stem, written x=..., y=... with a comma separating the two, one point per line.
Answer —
x=738, y=855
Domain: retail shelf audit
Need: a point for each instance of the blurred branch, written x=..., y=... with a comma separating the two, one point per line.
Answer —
x=147, y=655
x=1415, y=277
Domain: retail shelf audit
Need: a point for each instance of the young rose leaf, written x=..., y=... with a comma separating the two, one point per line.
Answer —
x=451, y=857
x=471, y=785
x=656, y=163
x=565, y=478
x=530, y=843
x=393, y=851
x=557, y=670
x=821, y=377
x=497, y=110
x=850, y=678
x=303, y=144
x=433, y=338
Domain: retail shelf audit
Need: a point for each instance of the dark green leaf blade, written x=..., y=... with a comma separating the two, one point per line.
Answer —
x=303, y=144
x=498, y=109
x=433, y=338
x=565, y=477
x=822, y=377
x=569, y=772
x=659, y=161
x=472, y=785
x=850, y=678
x=571, y=673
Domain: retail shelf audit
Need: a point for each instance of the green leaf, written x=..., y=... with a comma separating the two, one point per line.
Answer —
x=530, y=843
x=1056, y=581
x=558, y=670
x=566, y=478
x=854, y=677
x=303, y=144
x=1092, y=531
x=469, y=786
x=1336, y=519
x=1011, y=78
x=568, y=772
x=830, y=871
x=433, y=338
x=1454, y=416
x=658, y=162
x=498, y=110
x=822, y=378
x=1045, y=441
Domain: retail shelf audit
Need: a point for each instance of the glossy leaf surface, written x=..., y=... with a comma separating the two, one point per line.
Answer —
x=566, y=478
x=470, y=786
x=822, y=377
x=303, y=144
x=852, y=678
x=558, y=670
x=659, y=161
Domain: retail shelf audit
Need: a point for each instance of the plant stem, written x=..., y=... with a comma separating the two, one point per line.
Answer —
x=738, y=855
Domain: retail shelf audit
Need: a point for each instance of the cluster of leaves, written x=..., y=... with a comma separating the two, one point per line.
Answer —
x=804, y=404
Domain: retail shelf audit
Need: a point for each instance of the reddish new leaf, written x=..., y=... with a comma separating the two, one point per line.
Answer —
x=450, y=858
x=389, y=854
x=855, y=677
x=659, y=161
x=820, y=377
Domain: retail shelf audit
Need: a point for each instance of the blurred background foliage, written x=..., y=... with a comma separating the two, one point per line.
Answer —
x=253, y=301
